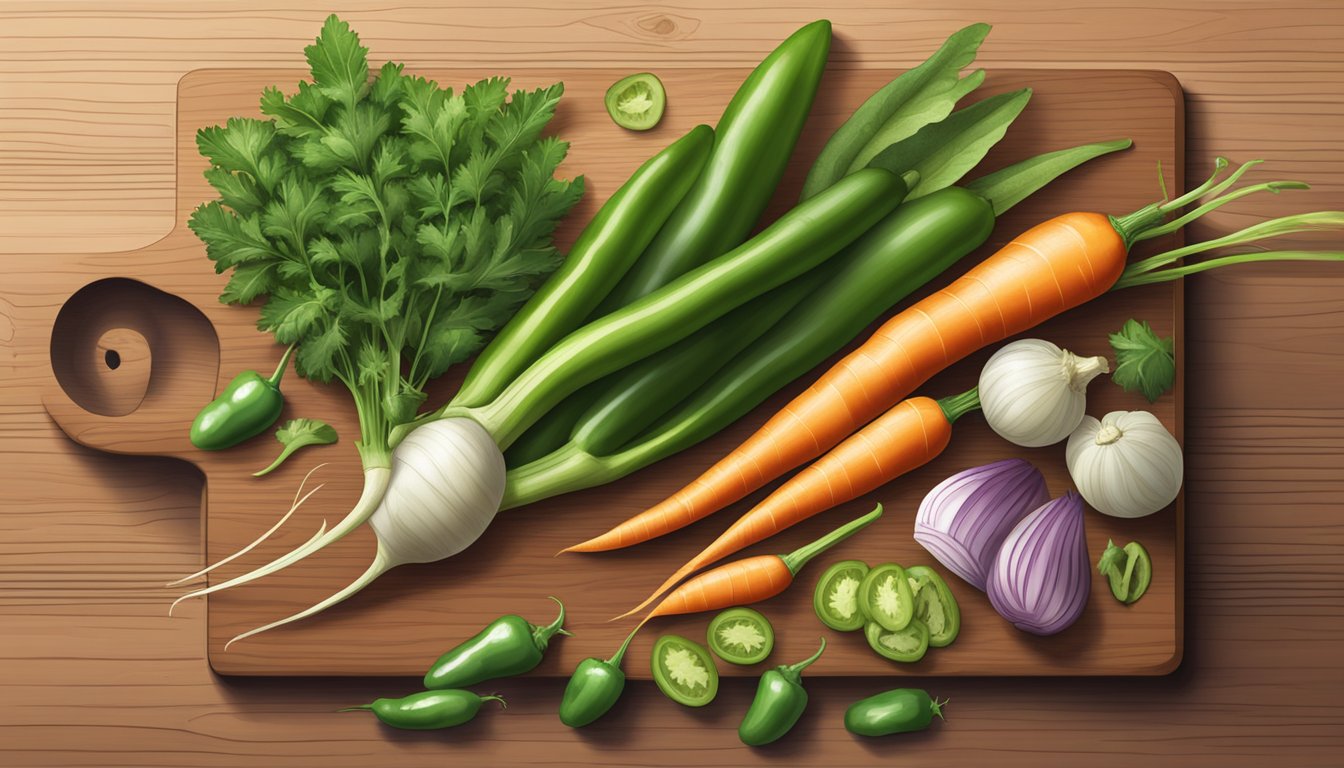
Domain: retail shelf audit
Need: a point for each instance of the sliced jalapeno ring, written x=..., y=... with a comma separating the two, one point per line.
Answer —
x=885, y=597
x=684, y=671
x=741, y=636
x=935, y=605
x=836, y=598
x=907, y=644
x=636, y=102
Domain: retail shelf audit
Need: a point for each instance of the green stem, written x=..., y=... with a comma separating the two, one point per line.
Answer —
x=616, y=660
x=1316, y=221
x=492, y=697
x=798, y=558
x=956, y=406
x=794, y=672
x=542, y=635
x=360, y=708
x=284, y=454
x=280, y=369
x=1164, y=275
x=1177, y=223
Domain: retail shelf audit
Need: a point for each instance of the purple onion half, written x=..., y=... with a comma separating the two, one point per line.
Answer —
x=964, y=519
x=1042, y=576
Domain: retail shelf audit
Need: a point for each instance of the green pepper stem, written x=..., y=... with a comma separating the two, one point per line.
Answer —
x=956, y=406
x=360, y=708
x=274, y=380
x=794, y=672
x=542, y=635
x=937, y=708
x=494, y=697
x=616, y=660
x=798, y=558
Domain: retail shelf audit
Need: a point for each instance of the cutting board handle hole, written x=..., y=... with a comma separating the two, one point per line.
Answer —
x=112, y=358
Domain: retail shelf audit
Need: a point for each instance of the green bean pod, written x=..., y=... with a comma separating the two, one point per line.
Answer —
x=752, y=144
x=611, y=242
x=798, y=241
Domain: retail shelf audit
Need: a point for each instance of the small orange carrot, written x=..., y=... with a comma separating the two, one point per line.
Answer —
x=904, y=438
x=752, y=579
x=1059, y=264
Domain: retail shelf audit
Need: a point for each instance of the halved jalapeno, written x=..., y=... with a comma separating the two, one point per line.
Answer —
x=885, y=597
x=935, y=607
x=684, y=671
x=908, y=644
x=836, y=598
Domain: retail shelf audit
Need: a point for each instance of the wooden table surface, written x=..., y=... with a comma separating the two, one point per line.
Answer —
x=93, y=673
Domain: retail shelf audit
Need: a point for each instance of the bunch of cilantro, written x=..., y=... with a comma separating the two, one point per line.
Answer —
x=388, y=225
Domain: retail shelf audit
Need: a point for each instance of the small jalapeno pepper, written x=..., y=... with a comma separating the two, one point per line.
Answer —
x=594, y=688
x=248, y=406
x=428, y=710
x=900, y=710
x=1129, y=570
x=780, y=701
x=935, y=607
x=508, y=646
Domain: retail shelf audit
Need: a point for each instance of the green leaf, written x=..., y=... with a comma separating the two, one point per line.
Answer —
x=340, y=64
x=290, y=315
x=318, y=355
x=247, y=282
x=1144, y=362
x=916, y=98
x=229, y=239
x=943, y=152
x=1009, y=186
x=299, y=433
x=237, y=146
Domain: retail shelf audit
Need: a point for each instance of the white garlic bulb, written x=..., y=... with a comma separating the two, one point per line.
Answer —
x=1033, y=393
x=1125, y=465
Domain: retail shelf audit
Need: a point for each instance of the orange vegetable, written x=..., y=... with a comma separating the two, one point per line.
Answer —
x=752, y=579
x=1052, y=267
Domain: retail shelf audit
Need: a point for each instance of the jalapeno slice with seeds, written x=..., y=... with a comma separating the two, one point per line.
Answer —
x=907, y=644
x=741, y=636
x=636, y=102
x=684, y=671
x=836, y=598
x=885, y=597
x=935, y=606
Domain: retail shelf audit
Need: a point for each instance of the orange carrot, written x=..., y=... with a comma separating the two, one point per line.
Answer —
x=1052, y=267
x=904, y=438
x=752, y=579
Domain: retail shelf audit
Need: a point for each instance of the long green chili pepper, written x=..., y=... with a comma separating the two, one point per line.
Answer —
x=427, y=710
x=508, y=646
x=248, y=406
x=780, y=701
x=921, y=239
x=798, y=241
x=594, y=688
x=606, y=249
x=752, y=144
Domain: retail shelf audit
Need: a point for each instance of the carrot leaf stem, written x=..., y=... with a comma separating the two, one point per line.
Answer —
x=1286, y=225
x=1220, y=164
x=1174, y=273
x=1216, y=203
x=956, y=406
x=798, y=558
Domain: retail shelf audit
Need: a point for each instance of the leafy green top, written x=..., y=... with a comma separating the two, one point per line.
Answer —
x=391, y=224
x=299, y=433
x=1144, y=362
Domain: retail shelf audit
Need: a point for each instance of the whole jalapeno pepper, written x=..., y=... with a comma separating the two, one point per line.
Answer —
x=246, y=408
x=594, y=688
x=428, y=710
x=508, y=646
x=900, y=710
x=780, y=701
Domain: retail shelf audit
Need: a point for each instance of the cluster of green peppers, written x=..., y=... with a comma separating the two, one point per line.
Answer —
x=508, y=646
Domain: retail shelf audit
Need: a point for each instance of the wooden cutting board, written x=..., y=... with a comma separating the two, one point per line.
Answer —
x=142, y=342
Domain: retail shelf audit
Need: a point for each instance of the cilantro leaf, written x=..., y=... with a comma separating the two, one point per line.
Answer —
x=386, y=225
x=1144, y=362
x=298, y=433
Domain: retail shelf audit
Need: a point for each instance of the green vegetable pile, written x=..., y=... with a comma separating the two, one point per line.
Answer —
x=902, y=611
x=391, y=225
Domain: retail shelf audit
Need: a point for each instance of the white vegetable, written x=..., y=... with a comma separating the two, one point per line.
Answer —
x=1125, y=465
x=1033, y=393
x=442, y=492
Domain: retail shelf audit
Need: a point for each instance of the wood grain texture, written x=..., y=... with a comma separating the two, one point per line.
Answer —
x=93, y=674
x=398, y=625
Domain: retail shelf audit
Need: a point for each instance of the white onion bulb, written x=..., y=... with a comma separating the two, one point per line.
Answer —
x=1033, y=393
x=1126, y=464
x=447, y=482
